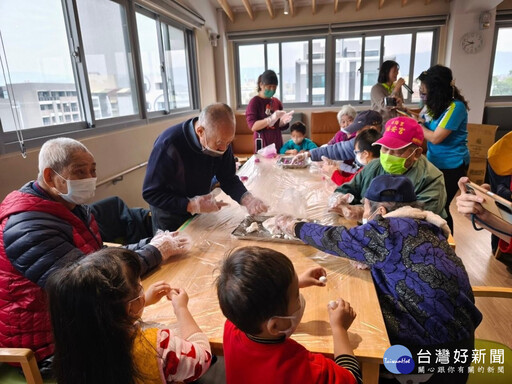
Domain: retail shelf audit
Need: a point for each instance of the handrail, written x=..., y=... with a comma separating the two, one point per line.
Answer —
x=119, y=176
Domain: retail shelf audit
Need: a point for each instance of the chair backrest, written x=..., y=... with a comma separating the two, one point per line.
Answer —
x=324, y=126
x=243, y=144
x=25, y=357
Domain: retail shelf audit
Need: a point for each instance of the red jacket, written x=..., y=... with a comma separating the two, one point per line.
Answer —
x=35, y=233
x=250, y=362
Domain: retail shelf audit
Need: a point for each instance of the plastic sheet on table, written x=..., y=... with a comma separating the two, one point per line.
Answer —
x=302, y=193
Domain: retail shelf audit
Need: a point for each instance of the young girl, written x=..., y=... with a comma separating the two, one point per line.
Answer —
x=96, y=304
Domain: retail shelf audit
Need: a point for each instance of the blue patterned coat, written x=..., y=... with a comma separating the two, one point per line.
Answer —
x=422, y=285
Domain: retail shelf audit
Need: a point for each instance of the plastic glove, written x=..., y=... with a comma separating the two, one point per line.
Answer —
x=170, y=243
x=204, y=204
x=254, y=205
x=300, y=157
x=337, y=199
x=329, y=166
x=286, y=224
x=272, y=119
x=286, y=118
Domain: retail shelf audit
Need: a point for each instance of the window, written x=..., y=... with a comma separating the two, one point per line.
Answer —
x=69, y=65
x=353, y=81
x=299, y=65
x=170, y=61
x=501, y=78
x=34, y=30
x=339, y=65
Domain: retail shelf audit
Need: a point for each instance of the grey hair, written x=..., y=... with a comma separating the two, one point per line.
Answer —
x=393, y=206
x=346, y=110
x=216, y=114
x=56, y=154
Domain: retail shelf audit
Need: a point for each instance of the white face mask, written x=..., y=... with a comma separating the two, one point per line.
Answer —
x=298, y=141
x=359, y=160
x=79, y=191
x=210, y=151
x=295, y=318
x=366, y=219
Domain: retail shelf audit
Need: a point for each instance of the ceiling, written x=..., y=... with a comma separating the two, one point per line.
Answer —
x=230, y=7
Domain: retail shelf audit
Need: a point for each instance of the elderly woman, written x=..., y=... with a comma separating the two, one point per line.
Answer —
x=388, y=87
x=345, y=117
x=264, y=113
x=423, y=287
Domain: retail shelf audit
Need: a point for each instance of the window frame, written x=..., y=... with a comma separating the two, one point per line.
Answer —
x=330, y=58
x=505, y=21
x=34, y=137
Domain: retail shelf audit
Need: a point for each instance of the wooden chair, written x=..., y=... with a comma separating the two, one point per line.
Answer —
x=23, y=356
x=324, y=126
x=243, y=144
x=487, y=345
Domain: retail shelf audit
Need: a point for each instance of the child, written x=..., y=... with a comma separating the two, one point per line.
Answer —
x=298, y=142
x=258, y=292
x=95, y=306
x=364, y=153
x=345, y=116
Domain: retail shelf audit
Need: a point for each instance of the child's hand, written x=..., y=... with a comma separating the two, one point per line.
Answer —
x=311, y=276
x=341, y=315
x=155, y=292
x=291, y=152
x=179, y=298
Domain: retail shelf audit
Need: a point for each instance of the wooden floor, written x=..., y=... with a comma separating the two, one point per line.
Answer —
x=474, y=248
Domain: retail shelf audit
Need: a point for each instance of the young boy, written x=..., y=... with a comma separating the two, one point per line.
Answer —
x=364, y=153
x=258, y=292
x=298, y=142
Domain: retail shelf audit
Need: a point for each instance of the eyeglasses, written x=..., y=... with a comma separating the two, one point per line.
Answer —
x=141, y=294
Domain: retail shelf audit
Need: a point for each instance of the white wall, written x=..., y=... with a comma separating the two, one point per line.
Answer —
x=471, y=71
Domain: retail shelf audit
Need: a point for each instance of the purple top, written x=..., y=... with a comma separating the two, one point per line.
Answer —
x=341, y=136
x=260, y=108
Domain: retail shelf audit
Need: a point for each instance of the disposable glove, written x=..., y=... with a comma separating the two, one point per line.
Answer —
x=286, y=224
x=204, y=204
x=337, y=199
x=272, y=119
x=170, y=243
x=254, y=205
x=286, y=118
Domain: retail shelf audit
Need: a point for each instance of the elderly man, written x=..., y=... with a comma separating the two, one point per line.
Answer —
x=43, y=226
x=185, y=159
x=400, y=154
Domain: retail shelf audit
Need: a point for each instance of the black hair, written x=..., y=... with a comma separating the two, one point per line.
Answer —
x=268, y=77
x=366, y=138
x=92, y=329
x=384, y=70
x=299, y=127
x=253, y=286
x=441, y=90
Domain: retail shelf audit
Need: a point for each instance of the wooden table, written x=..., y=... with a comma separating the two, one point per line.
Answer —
x=306, y=192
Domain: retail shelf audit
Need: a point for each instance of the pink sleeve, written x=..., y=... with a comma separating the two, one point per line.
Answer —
x=183, y=360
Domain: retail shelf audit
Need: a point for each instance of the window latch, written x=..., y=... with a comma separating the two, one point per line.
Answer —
x=76, y=54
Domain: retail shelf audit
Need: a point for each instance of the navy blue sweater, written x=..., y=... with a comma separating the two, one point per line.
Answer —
x=178, y=170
